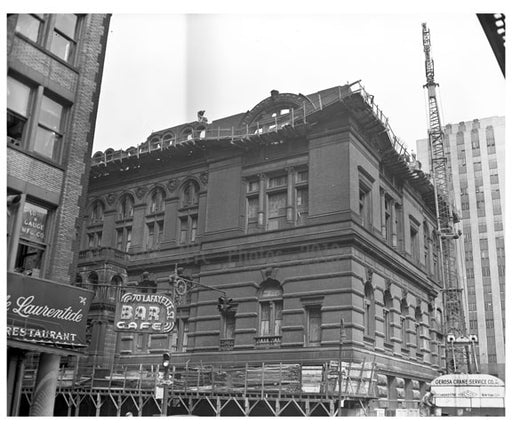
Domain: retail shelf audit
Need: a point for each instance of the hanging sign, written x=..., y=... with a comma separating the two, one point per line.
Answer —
x=145, y=313
x=46, y=312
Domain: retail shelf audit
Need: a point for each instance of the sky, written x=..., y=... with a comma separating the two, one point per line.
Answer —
x=160, y=69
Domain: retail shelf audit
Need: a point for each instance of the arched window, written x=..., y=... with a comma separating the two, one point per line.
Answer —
x=201, y=132
x=188, y=217
x=271, y=308
x=168, y=140
x=190, y=195
x=156, y=201
x=125, y=207
x=96, y=212
x=187, y=134
x=154, y=143
x=388, y=305
x=475, y=140
x=115, y=283
x=369, y=310
x=404, y=310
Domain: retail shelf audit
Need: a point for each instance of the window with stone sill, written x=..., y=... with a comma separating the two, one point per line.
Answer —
x=154, y=234
x=313, y=325
x=123, y=238
x=283, y=201
x=188, y=229
x=94, y=239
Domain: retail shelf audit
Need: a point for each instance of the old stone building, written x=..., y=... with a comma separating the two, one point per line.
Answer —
x=54, y=70
x=306, y=211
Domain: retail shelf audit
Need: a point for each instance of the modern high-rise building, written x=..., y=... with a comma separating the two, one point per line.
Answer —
x=476, y=160
x=54, y=70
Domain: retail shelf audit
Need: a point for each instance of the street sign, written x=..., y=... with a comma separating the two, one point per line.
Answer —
x=145, y=313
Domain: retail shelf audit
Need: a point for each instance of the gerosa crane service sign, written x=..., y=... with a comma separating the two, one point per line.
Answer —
x=145, y=313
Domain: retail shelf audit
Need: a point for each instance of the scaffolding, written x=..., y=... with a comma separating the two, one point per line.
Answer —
x=275, y=389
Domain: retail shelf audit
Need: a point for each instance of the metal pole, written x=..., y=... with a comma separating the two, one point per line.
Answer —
x=166, y=392
x=339, y=366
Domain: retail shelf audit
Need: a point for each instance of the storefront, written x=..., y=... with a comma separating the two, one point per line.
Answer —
x=45, y=317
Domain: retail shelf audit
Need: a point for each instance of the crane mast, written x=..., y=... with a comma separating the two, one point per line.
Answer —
x=458, y=358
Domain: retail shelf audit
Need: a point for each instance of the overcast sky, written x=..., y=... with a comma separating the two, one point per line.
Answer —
x=161, y=69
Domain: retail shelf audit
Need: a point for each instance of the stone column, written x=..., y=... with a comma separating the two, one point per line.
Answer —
x=43, y=400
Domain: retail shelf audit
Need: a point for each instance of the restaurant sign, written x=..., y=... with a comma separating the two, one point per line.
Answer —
x=46, y=312
x=145, y=313
x=468, y=391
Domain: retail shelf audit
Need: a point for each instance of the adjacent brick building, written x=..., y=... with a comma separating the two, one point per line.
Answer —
x=305, y=211
x=54, y=70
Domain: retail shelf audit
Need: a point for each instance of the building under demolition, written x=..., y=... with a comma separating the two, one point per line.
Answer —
x=297, y=242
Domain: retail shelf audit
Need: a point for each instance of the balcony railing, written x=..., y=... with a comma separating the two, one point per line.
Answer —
x=227, y=344
x=102, y=254
x=268, y=341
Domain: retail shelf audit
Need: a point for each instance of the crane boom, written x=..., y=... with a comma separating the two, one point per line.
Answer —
x=457, y=343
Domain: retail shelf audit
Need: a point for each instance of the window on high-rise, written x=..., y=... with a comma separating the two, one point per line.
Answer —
x=64, y=36
x=489, y=136
x=18, y=110
x=30, y=26
x=475, y=141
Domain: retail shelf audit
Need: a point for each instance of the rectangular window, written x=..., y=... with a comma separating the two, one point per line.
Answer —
x=364, y=205
x=252, y=207
x=48, y=136
x=276, y=210
x=277, y=181
x=151, y=236
x=30, y=26
x=253, y=186
x=302, y=176
x=183, y=230
x=302, y=197
x=314, y=316
x=63, y=43
x=193, y=229
x=33, y=241
x=415, y=244
x=18, y=105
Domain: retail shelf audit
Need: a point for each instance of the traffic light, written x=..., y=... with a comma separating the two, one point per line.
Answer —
x=166, y=360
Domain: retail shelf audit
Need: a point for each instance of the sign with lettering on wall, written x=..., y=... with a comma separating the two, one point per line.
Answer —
x=46, y=312
x=145, y=313
x=468, y=391
x=33, y=222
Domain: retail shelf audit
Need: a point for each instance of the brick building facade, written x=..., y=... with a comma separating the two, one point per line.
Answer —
x=305, y=211
x=55, y=65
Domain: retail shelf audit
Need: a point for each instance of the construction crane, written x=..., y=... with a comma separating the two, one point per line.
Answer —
x=458, y=344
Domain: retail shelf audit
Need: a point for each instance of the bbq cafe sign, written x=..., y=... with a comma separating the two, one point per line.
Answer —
x=145, y=313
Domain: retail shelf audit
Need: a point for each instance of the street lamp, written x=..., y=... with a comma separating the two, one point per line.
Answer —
x=166, y=363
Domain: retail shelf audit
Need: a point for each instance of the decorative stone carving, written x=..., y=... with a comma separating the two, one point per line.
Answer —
x=173, y=184
x=203, y=177
x=111, y=198
x=141, y=192
x=269, y=273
